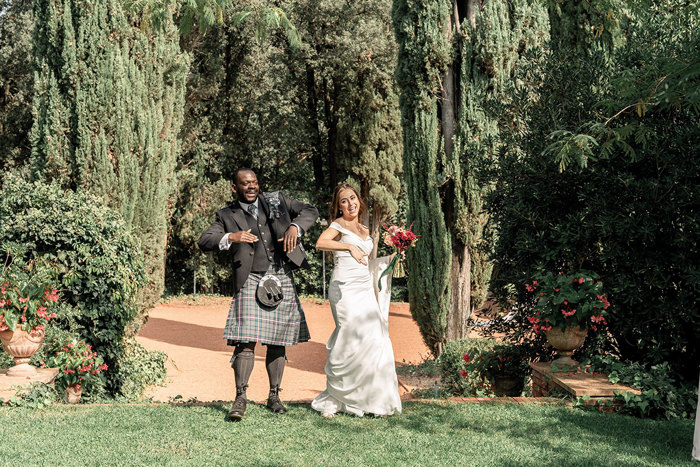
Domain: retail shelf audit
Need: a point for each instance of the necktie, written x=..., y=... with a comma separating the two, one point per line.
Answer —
x=253, y=210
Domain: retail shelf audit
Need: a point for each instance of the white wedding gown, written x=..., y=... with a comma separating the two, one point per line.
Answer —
x=360, y=371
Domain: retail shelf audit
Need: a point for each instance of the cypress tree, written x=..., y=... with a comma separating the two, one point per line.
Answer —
x=369, y=123
x=453, y=58
x=108, y=107
x=423, y=59
x=16, y=25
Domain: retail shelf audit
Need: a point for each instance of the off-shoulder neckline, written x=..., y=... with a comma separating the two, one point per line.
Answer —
x=343, y=229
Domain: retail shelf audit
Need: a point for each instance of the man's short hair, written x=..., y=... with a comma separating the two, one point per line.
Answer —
x=242, y=169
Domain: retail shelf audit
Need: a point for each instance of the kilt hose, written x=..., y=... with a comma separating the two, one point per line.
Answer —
x=248, y=321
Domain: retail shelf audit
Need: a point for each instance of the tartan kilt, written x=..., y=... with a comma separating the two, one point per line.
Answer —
x=248, y=321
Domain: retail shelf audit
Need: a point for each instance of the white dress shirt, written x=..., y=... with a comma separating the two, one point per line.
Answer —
x=225, y=243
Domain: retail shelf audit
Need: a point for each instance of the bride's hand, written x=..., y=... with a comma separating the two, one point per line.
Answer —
x=403, y=256
x=358, y=255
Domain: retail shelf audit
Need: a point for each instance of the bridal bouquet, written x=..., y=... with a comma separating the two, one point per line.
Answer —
x=399, y=238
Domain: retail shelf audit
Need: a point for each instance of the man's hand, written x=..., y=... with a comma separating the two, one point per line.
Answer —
x=290, y=238
x=242, y=236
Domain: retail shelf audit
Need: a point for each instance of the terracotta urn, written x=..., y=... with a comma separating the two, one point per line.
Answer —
x=21, y=345
x=73, y=393
x=565, y=342
x=508, y=385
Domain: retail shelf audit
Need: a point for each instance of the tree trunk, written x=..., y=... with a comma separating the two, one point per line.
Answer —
x=460, y=303
x=312, y=103
x=375, y=229
x=364, y=194
x=472, y=5
x=460, y=273
x=448, y=99
x=330, y=98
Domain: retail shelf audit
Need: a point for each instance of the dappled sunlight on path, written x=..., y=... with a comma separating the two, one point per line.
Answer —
x=198, y=363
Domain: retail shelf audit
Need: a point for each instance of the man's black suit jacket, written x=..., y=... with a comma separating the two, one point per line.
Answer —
x=231, y=219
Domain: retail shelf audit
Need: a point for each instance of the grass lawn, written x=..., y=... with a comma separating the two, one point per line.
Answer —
x=425, y=434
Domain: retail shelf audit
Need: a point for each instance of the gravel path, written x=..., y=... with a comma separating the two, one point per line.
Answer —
x=190, y=333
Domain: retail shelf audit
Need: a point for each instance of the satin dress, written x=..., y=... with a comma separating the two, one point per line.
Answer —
x=360, y=371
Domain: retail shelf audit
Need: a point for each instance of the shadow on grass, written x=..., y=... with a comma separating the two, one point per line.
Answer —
x=553, y=435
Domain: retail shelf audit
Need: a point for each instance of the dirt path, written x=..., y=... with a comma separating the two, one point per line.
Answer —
x=198, y=364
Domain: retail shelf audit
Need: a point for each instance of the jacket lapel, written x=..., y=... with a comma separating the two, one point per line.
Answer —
x=239, y=216
x=262, y=203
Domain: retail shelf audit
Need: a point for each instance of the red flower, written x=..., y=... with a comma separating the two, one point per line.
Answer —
x=463, y=373
x=467, y=358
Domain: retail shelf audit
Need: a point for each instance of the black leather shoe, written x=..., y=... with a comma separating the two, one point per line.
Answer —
x=238, y=408
x=273, y=401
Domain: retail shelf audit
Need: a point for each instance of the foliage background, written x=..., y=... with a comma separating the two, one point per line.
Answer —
x=605, y=182
x=576, y=127
x=97, y=266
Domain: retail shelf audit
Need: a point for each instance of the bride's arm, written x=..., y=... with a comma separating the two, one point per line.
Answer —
x=328, y=242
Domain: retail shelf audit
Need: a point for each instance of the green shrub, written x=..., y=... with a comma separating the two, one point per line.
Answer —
x=575, y=190
x=139, y=368
x=662, y=395
x=451, y=361
x=96, y=260
x=501, y=359
x=36, y=395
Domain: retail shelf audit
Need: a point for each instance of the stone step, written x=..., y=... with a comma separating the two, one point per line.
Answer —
x=10, y=384
x=575, y=382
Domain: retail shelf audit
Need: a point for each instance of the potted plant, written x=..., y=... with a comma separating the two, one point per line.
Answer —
x=77, y=364
x=26, y=307
x=566, y=306
x=504, y=366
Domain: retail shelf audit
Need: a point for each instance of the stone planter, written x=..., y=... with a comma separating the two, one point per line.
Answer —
x=565, y=342
x=21, y=345
x=73, y=393
x=508, y=385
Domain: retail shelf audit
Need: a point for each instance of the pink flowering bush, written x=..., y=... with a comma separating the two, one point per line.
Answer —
x=568, y=300
x=77, y=363
x=26, y=303
x=500, y=360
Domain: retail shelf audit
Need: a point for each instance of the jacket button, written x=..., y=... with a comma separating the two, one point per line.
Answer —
x=252, y=253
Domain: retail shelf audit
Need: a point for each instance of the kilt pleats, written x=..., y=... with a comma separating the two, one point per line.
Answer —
x=248, y=321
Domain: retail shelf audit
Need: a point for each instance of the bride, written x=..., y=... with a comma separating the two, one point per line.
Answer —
x=360, y=372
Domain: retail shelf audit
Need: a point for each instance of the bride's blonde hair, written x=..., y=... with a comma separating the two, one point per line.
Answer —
x=334, y=212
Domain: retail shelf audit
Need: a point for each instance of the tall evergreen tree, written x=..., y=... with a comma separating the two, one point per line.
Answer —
x=16, y=24
x=369, y=143
x=452, y=57
x=108, y=107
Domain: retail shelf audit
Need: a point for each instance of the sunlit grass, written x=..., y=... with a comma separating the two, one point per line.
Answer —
x=425, y=434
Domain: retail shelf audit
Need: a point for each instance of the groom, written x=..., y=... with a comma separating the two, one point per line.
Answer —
x=262, y=231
